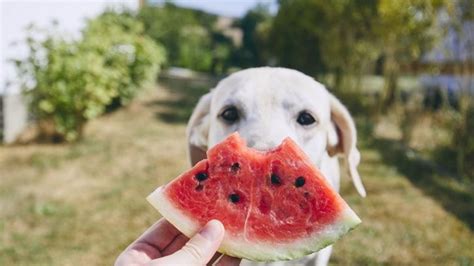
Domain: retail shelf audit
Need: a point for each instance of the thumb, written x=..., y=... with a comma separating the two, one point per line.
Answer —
x=199, y=249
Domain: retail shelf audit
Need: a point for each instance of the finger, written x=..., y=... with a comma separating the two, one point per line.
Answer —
x=228, y=261
x=176, y=245
x=199, y=249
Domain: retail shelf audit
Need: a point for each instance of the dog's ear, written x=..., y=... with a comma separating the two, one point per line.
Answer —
x=197, y=130
x=342, y=139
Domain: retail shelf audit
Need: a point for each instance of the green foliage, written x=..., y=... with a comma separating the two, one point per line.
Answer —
x=70, y=85
x=222, y=54
x=255, y=26
x=407, y=27
x=120, y=39
x=190, y=37
x=69, y=82
x=346, y=37
x=195, y=50
x=317, y=37
x=165, y=25
x=294, y=44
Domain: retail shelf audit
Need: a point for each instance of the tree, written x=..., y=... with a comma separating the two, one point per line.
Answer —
x=189, y=36
x=255, y=26
x=194, y=50
x=293, y=40
x=406, y=29
x=318, y=37
x=462, y=23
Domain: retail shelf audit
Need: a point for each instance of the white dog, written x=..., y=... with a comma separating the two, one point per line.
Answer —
x=265, y=105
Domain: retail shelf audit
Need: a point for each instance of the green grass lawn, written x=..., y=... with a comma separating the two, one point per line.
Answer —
x=81, y=204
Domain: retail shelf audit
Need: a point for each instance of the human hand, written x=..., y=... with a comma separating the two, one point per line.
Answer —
x=163, y=244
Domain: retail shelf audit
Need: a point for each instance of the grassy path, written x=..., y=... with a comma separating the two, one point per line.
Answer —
x=82, y=204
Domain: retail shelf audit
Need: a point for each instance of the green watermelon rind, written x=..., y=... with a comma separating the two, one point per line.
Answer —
x=259, y=250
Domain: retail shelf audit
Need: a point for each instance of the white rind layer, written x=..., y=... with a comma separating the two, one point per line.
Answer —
x=258, y=250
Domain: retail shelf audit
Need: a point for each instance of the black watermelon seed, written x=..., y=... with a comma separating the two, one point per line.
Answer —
x=234, y=198
x=199, y=187
x=299, y=182
x=235, y=167
x=201, y=176
x=276, y=180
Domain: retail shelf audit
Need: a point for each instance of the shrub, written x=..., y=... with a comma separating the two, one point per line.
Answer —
x=119, y=38
x=66, y=85
x=191, y=37
x=69, y=82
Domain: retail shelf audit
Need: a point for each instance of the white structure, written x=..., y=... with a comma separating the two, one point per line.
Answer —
x=15, y=16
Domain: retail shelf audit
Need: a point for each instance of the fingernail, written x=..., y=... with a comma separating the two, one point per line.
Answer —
x=212, y=230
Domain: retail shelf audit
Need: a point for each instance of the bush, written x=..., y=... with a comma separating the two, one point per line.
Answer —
x=119, y=38
x=195, y=49
x=184, y=33
x=69, y=82
x=190, y=36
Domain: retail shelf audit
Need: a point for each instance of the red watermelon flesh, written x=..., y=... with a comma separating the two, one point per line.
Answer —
x=274, y=205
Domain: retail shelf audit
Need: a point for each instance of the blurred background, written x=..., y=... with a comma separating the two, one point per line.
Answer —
x=95, y=96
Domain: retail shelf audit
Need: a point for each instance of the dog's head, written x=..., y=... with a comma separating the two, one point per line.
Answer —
x=265, y=105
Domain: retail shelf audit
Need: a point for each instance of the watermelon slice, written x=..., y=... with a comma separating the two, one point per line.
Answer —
x=274, y=205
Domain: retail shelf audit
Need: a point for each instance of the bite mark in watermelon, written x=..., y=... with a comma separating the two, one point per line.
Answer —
x=274, y=205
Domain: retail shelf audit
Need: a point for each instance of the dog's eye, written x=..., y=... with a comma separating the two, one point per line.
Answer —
x=305, y=118
x=230, y=114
